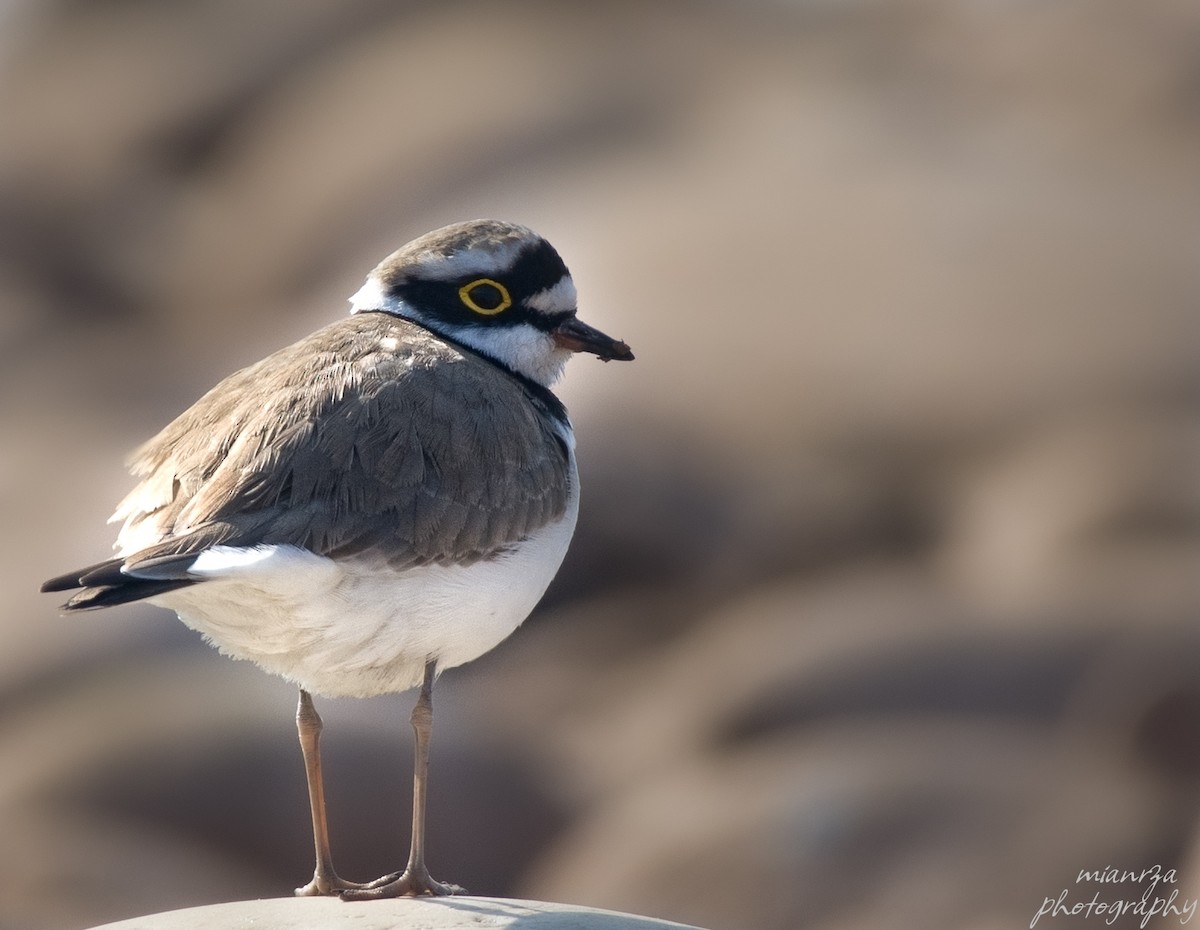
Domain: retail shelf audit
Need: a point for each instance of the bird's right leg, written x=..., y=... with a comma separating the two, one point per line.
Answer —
x=325, y=880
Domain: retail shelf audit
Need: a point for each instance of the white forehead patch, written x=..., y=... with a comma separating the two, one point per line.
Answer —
x=558, y=298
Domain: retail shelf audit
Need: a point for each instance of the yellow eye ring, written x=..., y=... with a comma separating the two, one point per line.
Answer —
x=464, y=294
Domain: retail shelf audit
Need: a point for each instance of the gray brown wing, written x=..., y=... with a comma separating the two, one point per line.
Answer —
x=345, y=447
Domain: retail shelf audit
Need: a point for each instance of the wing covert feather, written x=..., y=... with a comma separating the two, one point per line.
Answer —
x=347, y=445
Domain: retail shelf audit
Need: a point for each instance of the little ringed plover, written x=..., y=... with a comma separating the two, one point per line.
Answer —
x=384, y=499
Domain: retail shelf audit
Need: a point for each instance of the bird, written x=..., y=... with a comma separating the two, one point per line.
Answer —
x=387, y=498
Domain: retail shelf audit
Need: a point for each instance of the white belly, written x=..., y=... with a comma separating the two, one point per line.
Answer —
x=358, y=629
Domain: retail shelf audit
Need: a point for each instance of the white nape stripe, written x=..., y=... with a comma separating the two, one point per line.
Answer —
x=558, y=298
x=371, y=296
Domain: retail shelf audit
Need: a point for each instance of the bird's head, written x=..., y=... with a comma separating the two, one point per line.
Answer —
x=495, y=287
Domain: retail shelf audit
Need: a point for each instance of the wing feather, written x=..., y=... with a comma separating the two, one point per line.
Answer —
x=423, y=453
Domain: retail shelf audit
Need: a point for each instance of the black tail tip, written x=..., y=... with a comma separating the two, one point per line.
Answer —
x=66, y=582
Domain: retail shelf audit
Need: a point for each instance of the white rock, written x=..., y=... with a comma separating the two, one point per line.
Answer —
x=457, y=913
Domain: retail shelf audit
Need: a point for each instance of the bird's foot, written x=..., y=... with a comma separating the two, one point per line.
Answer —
x=331, y=885
x=408, y=884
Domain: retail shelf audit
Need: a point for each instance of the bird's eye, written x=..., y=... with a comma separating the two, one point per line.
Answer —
x=485, y=296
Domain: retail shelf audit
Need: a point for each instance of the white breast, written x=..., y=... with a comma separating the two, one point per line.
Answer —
x=357, y=628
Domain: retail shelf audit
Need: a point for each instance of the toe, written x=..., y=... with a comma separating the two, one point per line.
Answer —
x=407, y=885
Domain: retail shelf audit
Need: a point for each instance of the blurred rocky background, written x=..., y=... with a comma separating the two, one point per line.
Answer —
x=884, y=609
